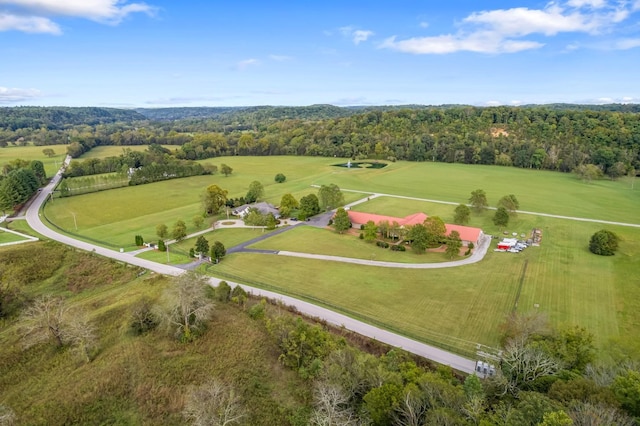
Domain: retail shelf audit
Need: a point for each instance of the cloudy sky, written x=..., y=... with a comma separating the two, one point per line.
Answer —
x=125, y=53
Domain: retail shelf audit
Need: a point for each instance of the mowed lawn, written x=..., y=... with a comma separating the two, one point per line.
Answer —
x=451, y=307
x=179, y=251
x=30, y=152
x=8, y=237
x=457, y=307
x=322, y=241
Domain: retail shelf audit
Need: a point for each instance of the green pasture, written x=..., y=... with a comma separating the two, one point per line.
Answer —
x=453, y=307
x=116, y=150
x=30, y=152
x=537, y=191
x=179, y=251
x=322, y=241
x=8, y=237
x=458, y=307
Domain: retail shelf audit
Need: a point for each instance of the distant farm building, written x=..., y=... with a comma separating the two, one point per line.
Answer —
x=467, y=233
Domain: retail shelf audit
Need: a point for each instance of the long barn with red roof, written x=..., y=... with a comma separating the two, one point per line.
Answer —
x=468, y=234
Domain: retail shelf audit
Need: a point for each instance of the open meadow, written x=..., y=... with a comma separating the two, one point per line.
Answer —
x=116, y=150
x=31, y=152
x=454, y=307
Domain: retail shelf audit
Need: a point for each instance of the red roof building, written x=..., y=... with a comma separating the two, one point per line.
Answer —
x=467, y=234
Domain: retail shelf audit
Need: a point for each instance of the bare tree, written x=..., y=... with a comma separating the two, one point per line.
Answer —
x=331, y=406
x=51, y=319
x=522, y=363
x=187, y=304
x=412, y=409
x=212, y=404
x=588, y=414
x=81, y=335
x=44, y=320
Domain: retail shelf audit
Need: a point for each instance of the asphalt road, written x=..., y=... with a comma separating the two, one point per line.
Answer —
x=429, y=352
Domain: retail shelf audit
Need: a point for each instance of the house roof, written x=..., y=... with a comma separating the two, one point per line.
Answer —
x=467, y=233
x=263, y=207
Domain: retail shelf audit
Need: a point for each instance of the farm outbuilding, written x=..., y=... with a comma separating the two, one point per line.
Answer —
x=468, y=234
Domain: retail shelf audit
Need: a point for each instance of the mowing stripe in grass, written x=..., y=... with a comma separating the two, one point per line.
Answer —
x=524, y=271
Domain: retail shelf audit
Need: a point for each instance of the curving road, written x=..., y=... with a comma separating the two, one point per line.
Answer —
x=429, y=352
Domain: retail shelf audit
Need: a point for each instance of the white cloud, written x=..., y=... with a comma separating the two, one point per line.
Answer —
x=595, y=4
x=242, y=65
x=507, y=30
x=35, y=15
x=111, y=11
x=522, y=21
x=423, y=24
x=13, y=95
x=357, y=36
x=627, y=43
x=28, y=24
x=361, y=35
x=478, y=43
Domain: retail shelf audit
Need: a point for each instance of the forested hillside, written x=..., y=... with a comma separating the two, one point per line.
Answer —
x=15, y=118
x=554, y=137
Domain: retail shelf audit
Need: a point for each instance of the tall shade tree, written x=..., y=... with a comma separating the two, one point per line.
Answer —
x=288, y=203
x=330, y=196
x=225, y=170
x=218, y=251
x=202, y=246
x=419, y=237
x=510, y=203
x=461, y=214
x=309, y=206
x=255, y=192
x=187, y=306
x=341, y=221
x=162, y=231
x=370, y=231
x=436, y=230
x=604, y=243
x=179, y=231
x=454, y=243
x=280, y=178
x=478, y=200
x=501, y=217
x=214, y=198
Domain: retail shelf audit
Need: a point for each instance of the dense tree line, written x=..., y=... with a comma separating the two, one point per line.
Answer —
x=61, y=117
x=541, y=137
x=18, y=184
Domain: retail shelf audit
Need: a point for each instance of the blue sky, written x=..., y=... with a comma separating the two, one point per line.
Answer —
x=159, y=53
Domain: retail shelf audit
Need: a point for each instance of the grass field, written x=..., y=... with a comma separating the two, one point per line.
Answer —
x=322, y=241
x=136, y=380
x=29, y=153
x=451, y=307
x=179, y=251
x=114, y=150
x=8, y=237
